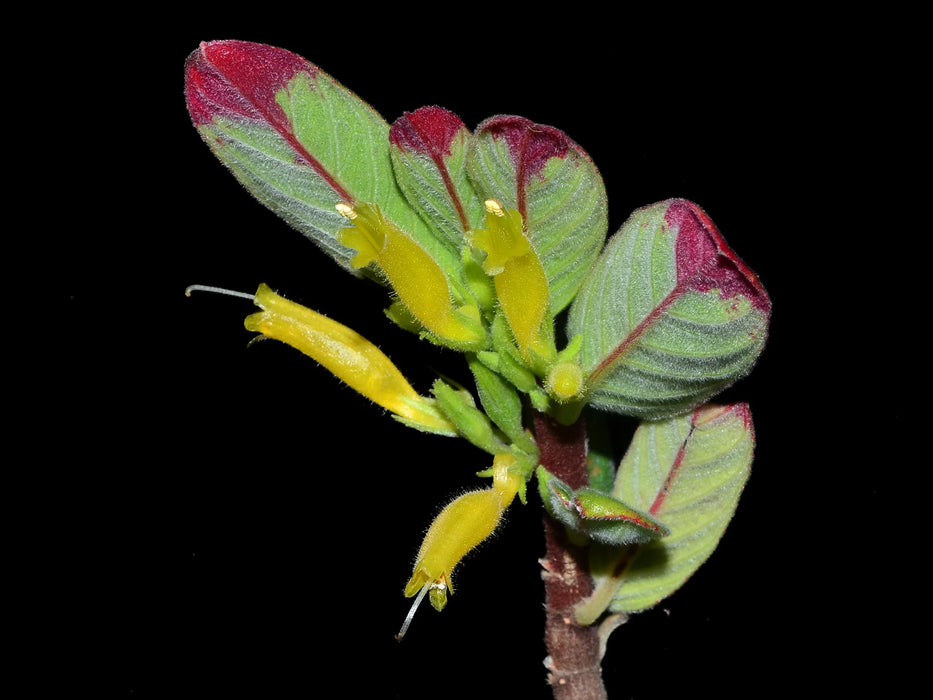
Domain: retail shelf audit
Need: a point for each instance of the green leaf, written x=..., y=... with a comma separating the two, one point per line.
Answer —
x=297, y=140
x=688, y=472
x=596, y=515
x=558, y=499
x=554, y=185
x=458, y=407
x=428, y=151
x=669, y=315
x=610, y=521
x=502, y=404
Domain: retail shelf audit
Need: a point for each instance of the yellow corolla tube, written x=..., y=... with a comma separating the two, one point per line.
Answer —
x=347, y=354
x=416, y=277
x=520, y=281
x=462, y=525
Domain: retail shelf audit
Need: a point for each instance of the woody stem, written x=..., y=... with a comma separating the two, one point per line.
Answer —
x=574, y=655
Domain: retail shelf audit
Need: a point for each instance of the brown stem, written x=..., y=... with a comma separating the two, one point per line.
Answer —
x=574, y=654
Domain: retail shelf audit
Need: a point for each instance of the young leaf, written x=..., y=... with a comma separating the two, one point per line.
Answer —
x=428, y=150
x=296, y=139
x=669, y=314
x=459, y=408
x=688, y=472
x=597, y=515
x=554, y=185
x=609, y=520
x=501, y=403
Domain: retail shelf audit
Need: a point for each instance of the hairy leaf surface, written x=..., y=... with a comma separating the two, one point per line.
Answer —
x=296, y=139
x=688, y=472
x=554, y=185
x=669, y=314
x=429, y=149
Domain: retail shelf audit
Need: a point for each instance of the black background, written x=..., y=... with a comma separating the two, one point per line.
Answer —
x=242, y=526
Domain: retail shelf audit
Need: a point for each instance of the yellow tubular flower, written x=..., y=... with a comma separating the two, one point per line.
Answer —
x=462, y=525
x=521, y=283
x=347, y=354
x=415, y=276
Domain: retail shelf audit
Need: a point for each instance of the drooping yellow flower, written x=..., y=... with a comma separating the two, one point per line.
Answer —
x=461, y=526
x=347, y=354
x=415, y=276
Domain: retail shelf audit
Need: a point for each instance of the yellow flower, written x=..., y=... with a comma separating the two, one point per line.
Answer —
x=461, y=526
x=347, y=354
x=415, y=276
x=520, y=281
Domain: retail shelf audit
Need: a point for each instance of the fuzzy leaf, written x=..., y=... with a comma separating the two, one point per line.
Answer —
x=428, y=150
x=669, y=315
x=597, y=515
x=688, y=472
x=472, y=424
x=557, y=498
x=554, y=185
x=609, y=520
x=501, y=403
x=296, y=139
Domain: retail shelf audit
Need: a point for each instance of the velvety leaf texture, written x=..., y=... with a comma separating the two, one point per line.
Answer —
x=296, y=139
x=688, y=473
x=555, y=186
x=669, y=315
x=429, y=148
x=596, y=515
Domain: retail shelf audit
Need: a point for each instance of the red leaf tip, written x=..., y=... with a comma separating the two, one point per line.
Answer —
x=704, y=259
x=428, y=130
x=532, y=144
x=239, y=79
